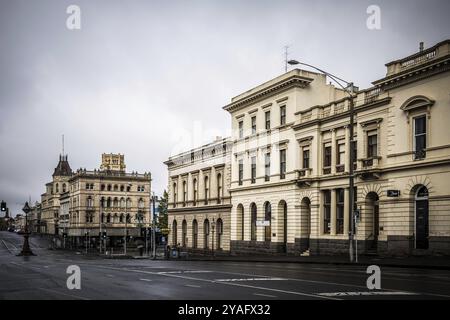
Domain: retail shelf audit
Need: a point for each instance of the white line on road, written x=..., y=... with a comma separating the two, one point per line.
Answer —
x=228, y=283
x=265, y=295
x=192, y=286
x=148, y=280
x=251, y=279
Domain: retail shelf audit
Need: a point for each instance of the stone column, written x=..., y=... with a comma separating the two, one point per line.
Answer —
x=213, y=184
x=333, y=212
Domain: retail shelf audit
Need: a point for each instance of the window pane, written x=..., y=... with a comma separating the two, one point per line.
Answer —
x=419, y=125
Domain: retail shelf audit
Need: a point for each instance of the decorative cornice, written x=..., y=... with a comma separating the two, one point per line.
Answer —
x=294, y=81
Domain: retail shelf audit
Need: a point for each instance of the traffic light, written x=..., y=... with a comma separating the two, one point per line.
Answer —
x=3, y=206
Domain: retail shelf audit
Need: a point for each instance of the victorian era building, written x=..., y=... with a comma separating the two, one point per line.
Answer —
x=107, y=200
x=199, y=200
x=290, y=165
x=289, y=175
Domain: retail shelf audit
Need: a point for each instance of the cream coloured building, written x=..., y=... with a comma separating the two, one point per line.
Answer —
x=86, y=202
x=289, y=162
x=199, y=199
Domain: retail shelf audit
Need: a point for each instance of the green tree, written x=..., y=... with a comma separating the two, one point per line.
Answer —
x=162, y=209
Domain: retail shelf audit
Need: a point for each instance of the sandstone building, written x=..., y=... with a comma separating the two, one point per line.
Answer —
x=199, y=200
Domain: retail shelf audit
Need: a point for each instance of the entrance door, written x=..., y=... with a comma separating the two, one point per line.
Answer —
x=421, y=224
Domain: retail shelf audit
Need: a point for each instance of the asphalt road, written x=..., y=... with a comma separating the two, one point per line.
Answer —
x=44, y=277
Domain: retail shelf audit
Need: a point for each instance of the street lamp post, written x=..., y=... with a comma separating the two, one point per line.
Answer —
x=352, y=145
x=126, y=219
x=26, y=250
x=153, y=227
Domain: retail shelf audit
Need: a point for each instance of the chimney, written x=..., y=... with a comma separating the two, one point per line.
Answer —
x=421, y=46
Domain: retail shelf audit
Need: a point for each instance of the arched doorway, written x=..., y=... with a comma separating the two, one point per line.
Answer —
x=240, y=222
x=268, y=217
x=174, y=233
x=184, y=233
x=305, y=208
x=194, y=234
x=282, y=217
x=421, y=218
x=219, y=232
x=373, y=216
x=253, y=222
x=206, y=234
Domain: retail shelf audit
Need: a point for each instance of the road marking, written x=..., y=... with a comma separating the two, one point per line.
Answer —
x=228, y=283
x=192, y=286
x=251, y=279
x=367, y=293
x=148, y=280
x=265, y=295
x=184, y=271
x=110, y=275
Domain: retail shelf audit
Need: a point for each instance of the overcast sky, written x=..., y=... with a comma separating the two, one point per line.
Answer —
x=149, y=78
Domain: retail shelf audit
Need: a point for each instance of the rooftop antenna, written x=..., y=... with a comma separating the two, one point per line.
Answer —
x=63, y=144
x=286, y=52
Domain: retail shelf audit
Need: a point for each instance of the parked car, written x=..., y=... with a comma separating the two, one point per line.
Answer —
x=11, y=229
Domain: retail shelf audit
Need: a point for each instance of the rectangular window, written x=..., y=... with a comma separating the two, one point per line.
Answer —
x=282, y=115
x=340, y=153
x=267, y=167
x=253, y=174
x=241, y=171
x=241, y=129
x=340, y=211
x=420, y=137
x=372, y=143
x=305, y=158
x=282, y=164
x=267, y=115
x=253, y=124
x=326, y=211
x=327, y=155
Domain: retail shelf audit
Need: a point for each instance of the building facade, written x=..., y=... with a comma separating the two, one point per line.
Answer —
x=290, y=162
x=82, y=204
x=199, y=202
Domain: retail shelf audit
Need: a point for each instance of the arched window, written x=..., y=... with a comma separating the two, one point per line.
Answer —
x=128, y=218
x=122, y=188
x=219, y=232
x=174, y=233
x=206, y=190
x=206, y=234
x=141, y=203
x=121, y=218
x=268, y=217
x=122, y=202
x=129, y=203
x=115, y=202
x=195, y=191
x=175, y=198
x=64, y=188
x=253, y=222
x=108, y=203
x=109, y=187
x=89, y=202
x=108, y=218
x=102, y=187
x=219, y=188
x=116, y=187
x=184, y=233
x=194, y=234
x=57, y=188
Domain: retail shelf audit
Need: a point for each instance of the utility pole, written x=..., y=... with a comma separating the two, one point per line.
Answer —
x=351, y=175
x=153, y=228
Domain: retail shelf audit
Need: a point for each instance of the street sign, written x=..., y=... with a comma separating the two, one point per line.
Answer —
x=262, y=223
x=356, y=214
x=393, y=193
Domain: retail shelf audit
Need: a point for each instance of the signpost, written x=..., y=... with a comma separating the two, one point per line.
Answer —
x=262, y=223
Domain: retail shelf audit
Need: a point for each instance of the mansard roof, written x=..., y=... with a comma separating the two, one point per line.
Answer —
x=63, y=167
